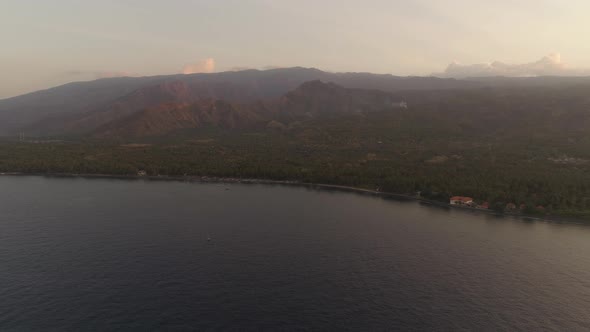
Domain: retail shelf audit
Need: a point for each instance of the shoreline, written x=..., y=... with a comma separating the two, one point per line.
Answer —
x=342, y=188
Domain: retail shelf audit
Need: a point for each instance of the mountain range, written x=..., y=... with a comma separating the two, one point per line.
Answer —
x=82, y=106
x=158, y=105
x=308, y=101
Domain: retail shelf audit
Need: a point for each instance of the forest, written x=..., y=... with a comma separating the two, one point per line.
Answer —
x=475, y=144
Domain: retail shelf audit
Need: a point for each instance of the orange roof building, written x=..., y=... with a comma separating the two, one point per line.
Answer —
x=461, y=200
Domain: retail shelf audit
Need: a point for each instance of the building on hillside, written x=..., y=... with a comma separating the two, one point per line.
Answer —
x=510, y=207
x=460, y=200
x=141, y=173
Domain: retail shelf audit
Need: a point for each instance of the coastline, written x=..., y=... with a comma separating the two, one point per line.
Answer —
x=358, y=190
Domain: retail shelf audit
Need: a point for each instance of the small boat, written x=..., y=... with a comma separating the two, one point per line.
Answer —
x=208, y=237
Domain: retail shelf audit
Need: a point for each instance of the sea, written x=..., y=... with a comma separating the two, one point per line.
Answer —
x=99, y=254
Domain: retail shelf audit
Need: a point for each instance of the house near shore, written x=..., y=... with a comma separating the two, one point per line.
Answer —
x=461, y=200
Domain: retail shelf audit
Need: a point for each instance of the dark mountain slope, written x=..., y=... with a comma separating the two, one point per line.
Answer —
x=74, y=99
x=171, y=117
x=148, y=97
x=310, y=100
x=316, y=97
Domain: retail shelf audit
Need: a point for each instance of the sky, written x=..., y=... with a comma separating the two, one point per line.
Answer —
x=47, y=43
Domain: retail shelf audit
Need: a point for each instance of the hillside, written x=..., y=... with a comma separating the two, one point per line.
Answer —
x=185, y=110
x=171, y=117
x=143, y=98
x=521, y=145
x=316, y=97
x=43, y=111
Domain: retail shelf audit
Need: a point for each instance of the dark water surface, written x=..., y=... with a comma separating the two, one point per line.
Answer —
x=100, y=254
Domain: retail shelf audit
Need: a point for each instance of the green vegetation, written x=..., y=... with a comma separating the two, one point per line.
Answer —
x=400, y=152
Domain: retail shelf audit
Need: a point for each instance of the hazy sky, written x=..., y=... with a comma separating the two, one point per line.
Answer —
x=45, y=43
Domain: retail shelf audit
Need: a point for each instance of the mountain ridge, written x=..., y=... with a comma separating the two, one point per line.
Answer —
x=310, y=100
x=73, y=99
x=89, y=105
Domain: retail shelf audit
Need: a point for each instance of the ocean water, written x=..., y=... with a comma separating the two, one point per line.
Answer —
x=105, y=254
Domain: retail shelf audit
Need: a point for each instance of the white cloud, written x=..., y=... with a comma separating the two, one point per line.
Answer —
x=550, y=65
x=202, y=66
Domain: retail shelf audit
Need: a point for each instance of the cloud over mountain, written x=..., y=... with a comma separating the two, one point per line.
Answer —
x=550, y=65
x=202, y=66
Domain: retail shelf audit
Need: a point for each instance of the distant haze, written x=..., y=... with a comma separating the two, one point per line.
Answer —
x=47, y=43
x=550, y=65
